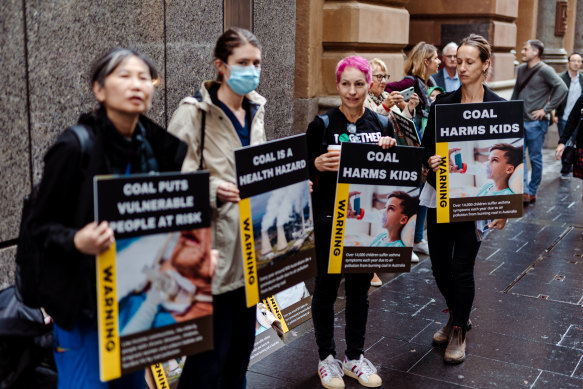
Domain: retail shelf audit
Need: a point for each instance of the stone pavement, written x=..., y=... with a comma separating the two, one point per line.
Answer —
x=527, y=316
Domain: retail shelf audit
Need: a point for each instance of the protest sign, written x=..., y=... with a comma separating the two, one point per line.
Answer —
x=287, y=309
x=291, y=306
x=154, y=283
x=405, y=130
x=481, y=172
x=375, y=209
x=275, y=215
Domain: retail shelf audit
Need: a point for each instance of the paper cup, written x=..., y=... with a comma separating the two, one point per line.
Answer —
x=334, y=148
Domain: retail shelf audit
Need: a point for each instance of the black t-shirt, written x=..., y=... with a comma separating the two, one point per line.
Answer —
x=331, y=129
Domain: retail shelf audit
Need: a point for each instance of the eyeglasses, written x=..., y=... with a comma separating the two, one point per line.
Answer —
x=380, y=77
x=453, y=56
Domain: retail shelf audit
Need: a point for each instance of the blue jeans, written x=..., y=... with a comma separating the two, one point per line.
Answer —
x=534, y=137
x=77, y=358
x=565, y=169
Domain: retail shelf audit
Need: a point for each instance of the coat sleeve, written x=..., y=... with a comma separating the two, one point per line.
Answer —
x=53, y=217
x=573, y=121
x=400, y=85
x=186, y=125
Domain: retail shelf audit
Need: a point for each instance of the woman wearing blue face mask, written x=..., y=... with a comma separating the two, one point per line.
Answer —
x=224, y=115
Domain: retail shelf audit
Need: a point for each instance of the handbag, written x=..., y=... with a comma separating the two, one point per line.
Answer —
x=569, y=153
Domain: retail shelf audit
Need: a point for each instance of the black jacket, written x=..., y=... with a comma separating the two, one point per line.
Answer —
x=369, y=127
x=65, y=204
x=573, y=123
x=566, y=77
x=428, y=141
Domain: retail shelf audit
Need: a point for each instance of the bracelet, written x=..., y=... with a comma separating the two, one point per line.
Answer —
x=385, y=107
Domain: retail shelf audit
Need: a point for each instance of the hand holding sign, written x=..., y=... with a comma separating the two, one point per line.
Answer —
x=94, y=239
x=228, y=192
x=387, y=142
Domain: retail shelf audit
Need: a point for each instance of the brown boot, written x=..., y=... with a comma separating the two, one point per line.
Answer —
x=441, y=337
x=456, y=348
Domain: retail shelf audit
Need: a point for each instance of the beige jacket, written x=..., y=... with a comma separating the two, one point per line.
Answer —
x=219, y=142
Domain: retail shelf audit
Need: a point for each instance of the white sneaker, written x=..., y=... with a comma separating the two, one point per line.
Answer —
x=421, y=247
x=414, y=257
x=330, y=372
x=363, y=371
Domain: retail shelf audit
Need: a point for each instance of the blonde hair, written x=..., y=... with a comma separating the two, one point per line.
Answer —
x=415, y=62
x=379, y=62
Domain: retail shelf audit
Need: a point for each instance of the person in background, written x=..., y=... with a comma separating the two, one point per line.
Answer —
x=122, y=141
x=350, y=120
x=447, y=78
x=383, y=102
x=542, y=91
x=573, y=123
x=453, y=247
x=435, y=91
x=421, y=63
x=233, y=114
x=574, y=81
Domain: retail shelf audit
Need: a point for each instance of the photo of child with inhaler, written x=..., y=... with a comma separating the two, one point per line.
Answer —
x=400, y=207
x=503, y=161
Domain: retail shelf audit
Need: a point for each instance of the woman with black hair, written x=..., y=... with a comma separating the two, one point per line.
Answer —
x=119, y=140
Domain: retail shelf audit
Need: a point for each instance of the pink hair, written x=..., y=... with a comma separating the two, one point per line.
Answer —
x=357, y=62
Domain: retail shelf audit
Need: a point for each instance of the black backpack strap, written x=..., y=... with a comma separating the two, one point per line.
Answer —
x=198, y=96
x=326, y=120
x=85, y=141
x=384, y=122
x=202, y=127
x=83, y=136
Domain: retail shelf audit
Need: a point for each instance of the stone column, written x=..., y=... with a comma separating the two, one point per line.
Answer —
x=578, y=46
x=554, y=54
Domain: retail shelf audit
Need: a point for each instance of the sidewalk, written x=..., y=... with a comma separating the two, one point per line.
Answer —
x=527, y=316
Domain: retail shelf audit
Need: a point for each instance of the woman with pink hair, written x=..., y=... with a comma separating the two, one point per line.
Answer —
x=350, y=122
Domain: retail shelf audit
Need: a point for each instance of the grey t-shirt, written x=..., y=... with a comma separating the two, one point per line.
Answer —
x=544, y=90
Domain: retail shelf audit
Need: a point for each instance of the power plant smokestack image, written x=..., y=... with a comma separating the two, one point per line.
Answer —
x=281, y=241
x=265, y=243
x=283, y=204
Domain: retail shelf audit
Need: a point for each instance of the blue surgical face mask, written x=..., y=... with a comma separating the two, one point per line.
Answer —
x=243, y=79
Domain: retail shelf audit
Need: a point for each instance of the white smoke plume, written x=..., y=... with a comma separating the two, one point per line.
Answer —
x=283, y=202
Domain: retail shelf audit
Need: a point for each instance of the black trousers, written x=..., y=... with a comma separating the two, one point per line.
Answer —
x=234, y=336
x=453, y=248
x=325, y=293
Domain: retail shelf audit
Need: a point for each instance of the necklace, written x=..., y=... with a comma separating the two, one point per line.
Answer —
x=377, y=100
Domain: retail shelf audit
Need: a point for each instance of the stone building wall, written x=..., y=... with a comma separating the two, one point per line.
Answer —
x=48, y=46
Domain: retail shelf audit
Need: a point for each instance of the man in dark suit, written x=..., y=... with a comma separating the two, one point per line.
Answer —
x=447, y=77
x=574, y=81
